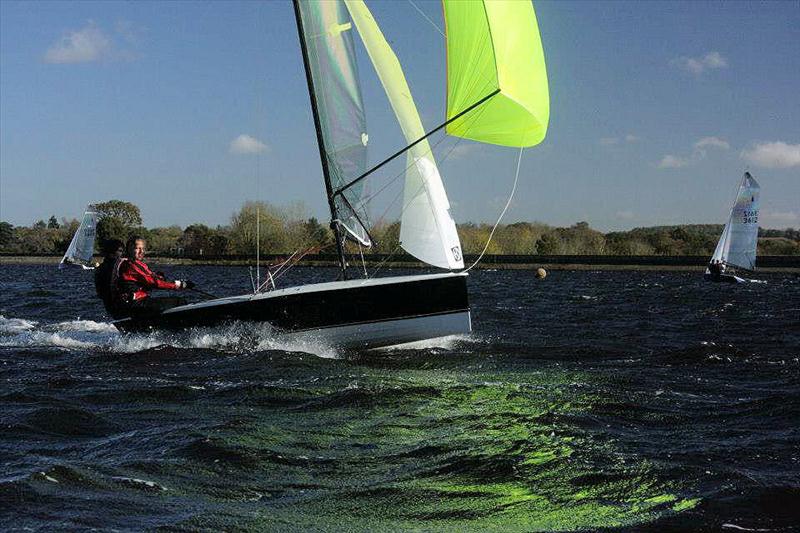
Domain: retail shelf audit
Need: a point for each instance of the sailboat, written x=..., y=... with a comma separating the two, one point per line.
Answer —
x=497, y=93
x=81, y=248
x=736, y=248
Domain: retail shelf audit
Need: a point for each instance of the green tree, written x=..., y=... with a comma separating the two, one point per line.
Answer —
x=112, y=228
x=196, y=239
x=270, y=226
x=316, y=233
x=6, y=236
x=118, y=220
x=40, y=224
x=164, y=240
x=548, y=244
x=126, y=212
x=219, y=241
x=53, y=223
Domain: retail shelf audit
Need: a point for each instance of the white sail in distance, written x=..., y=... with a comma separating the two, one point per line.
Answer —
x=427, y=231
x=739, y=240
x=81, y=248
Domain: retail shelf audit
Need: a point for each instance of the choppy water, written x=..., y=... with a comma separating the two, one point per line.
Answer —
x=588, y=400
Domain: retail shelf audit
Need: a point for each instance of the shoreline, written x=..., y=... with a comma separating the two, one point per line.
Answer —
x=772, y=264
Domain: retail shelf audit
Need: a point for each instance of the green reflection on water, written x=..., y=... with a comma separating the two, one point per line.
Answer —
x=431, y=449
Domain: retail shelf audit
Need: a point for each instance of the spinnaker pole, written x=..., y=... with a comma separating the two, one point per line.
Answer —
x=320, y=142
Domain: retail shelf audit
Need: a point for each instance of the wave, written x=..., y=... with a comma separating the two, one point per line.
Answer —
x=88, y=335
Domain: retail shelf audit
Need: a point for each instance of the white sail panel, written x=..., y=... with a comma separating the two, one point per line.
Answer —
x=427, y=231
x=81, y=248
x=739, y=240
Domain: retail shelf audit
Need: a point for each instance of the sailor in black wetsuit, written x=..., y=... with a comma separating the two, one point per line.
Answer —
x=113, y=249
x=716, y=268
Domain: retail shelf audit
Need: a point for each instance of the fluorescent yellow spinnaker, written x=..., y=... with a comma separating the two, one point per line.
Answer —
x=494, y=46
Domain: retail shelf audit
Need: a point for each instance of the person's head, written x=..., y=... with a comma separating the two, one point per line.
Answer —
x=135, y=248
x=113, y=248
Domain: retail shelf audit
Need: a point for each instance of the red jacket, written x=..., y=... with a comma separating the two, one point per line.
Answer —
x=136, y=279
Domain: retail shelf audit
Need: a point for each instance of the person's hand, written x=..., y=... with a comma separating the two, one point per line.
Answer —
x=188, y=284
x=180, y=284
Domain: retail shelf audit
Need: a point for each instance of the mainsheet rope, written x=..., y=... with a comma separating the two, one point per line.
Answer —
x=503, y=212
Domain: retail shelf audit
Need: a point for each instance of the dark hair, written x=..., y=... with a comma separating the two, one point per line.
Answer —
x=130, y=246
x=111, y=247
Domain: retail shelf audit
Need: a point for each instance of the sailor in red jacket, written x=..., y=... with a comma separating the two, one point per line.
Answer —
x=132, y=281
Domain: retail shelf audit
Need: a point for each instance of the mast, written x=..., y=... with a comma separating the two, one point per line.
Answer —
x=320, y=142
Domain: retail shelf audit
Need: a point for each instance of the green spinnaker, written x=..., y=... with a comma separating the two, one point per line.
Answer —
x=495, y=46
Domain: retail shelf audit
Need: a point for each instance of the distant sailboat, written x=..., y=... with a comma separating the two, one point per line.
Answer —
x=497, y=93
x=736, y=248
x=81, y=248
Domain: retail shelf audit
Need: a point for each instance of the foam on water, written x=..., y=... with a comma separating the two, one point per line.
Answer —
x=450, y=342
x=14, y=325
x=91, y=335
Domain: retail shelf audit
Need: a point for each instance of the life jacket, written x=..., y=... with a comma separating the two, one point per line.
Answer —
x=119, y=294
x=132, y=281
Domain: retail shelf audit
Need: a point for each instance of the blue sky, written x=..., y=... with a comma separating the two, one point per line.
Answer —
x=656, y=110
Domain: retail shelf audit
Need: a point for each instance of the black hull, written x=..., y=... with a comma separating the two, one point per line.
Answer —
x=359, y=307
x=723, y=278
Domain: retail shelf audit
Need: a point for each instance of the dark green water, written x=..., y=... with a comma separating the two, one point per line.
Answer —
x=587, y=401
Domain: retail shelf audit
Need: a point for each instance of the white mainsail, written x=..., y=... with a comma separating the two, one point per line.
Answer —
x=737, y=245
x=427, y=231
x=81, y=248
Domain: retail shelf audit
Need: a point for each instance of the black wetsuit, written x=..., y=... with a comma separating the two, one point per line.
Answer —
x=103, y=285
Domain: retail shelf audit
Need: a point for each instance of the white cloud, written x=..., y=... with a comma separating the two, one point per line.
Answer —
x=611, y=141
x=779, y=219
x=698, y=65
x=82, y=46
x=715, y=142
x=773, y=154
x=625, y=215
x=245, y=144
x=672, y=161
x=699, y=153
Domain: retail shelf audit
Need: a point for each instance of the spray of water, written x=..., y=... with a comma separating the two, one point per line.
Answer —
x=102, y=336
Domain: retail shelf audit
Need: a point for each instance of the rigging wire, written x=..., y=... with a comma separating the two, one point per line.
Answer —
x=503, y=212
x=474, y=117
x=426, y=17
x=388, y=256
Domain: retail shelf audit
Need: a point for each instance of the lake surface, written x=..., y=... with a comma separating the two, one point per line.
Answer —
x=588, y=400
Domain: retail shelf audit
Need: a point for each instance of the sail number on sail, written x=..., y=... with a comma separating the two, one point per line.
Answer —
x=749, y=216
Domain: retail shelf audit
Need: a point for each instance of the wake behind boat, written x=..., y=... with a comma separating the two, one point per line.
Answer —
x=497, y=93
x=737, y=245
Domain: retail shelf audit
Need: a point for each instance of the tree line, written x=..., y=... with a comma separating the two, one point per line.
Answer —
x=284, y=230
